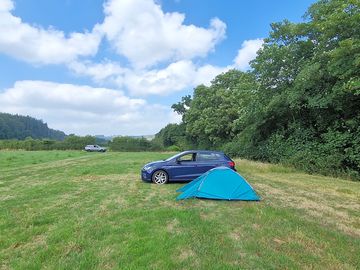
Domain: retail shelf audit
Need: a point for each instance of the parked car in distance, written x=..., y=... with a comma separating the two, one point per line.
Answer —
x=185, y=166
x=94, y=148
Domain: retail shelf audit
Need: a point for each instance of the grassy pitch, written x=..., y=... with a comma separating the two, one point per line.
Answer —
x=76, y=210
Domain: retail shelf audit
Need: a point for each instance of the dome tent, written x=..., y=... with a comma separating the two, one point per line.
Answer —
x=220, y=183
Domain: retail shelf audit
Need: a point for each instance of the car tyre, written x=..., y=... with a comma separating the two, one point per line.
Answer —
x=160, y=177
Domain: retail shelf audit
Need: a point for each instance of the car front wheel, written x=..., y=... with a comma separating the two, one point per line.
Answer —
x=160, y=177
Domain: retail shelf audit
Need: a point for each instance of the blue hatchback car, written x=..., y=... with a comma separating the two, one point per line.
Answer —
x=184, y=166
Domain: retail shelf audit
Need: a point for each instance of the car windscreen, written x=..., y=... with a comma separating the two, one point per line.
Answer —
x=173, y=157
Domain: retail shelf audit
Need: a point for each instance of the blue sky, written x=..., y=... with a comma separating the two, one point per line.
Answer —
x=116, y=66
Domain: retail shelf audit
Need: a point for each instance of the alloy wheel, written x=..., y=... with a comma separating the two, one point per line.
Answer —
x=160, y=177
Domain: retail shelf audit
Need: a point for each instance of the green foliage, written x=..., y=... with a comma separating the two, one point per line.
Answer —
x=172, y=135
x=71, y=142
x=299, y=104
x=182, y=106
x=173, y=148
x=219, y=111
x=77, y=142
x=20, y=127
x=132, y=144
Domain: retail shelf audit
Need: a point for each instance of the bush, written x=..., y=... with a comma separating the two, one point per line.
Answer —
x=173, y=148
x=71, y=142
x=132, y=144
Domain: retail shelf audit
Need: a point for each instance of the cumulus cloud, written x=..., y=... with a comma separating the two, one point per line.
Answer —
x=206, y=73
x=175, y=77
x=42, y=46
x=83, y=109
x=137, y=29
x=6, y=5
x=159, y=56
x=247, y=52
x=99, y=72
x=145, y=35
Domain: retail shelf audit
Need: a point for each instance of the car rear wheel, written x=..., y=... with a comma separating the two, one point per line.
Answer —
x=160, y=177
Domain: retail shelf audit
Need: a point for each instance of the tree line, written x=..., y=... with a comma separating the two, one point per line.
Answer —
x=28, y=133
x=299, y=104
x=73, y=142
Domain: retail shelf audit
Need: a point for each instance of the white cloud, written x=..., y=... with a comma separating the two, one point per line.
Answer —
x=175, y=77
x=145, y=35
x=247, y=53
x=6, y=5
x=99, y=72
x=138, y=30
x=42, y=46
x=205, y=74
x=84, y=109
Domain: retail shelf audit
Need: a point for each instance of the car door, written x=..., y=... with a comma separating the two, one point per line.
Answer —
x=183, y=168
x=207, y=161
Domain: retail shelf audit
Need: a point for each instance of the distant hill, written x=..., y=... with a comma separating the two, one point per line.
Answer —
x=148, y=137
x=109, y=138
x=20, y=127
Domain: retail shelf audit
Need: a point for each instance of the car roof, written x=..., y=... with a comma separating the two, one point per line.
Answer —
x=202, y=151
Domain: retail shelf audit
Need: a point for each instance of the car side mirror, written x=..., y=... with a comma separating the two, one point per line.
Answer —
x=177, y=161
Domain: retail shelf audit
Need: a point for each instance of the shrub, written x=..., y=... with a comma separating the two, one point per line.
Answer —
x=173, y=148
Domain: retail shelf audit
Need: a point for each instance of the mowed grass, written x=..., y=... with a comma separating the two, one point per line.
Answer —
x=15, y=159
x=76, y=210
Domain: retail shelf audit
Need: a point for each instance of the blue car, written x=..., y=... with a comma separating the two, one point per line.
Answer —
x=184, y=166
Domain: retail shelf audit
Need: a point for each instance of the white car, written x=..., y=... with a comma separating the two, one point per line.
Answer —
x=94, y=148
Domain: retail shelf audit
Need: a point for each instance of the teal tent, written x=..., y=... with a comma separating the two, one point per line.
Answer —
x=219, y=183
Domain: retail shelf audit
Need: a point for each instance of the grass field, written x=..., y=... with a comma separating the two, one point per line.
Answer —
x=76, y=210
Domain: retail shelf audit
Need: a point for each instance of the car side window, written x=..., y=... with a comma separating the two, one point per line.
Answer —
x=187, y=158
x=207, y=157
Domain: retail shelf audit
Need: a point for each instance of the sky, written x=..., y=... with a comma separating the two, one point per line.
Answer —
x=115, y=67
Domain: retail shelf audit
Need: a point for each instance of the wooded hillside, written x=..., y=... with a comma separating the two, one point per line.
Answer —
x=21, y=127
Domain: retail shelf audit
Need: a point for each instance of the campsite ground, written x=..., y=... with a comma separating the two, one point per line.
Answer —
x=68, y=209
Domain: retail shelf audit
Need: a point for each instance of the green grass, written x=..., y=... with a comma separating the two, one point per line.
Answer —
x=75, y=210
x=15, y=159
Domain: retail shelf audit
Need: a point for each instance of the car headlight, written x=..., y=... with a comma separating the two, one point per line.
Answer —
x=148, y=168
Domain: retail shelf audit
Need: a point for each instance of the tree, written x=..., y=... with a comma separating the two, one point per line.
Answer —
x=182, y=106
x=218, y=111
x=172, y=135
x=132, y=144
